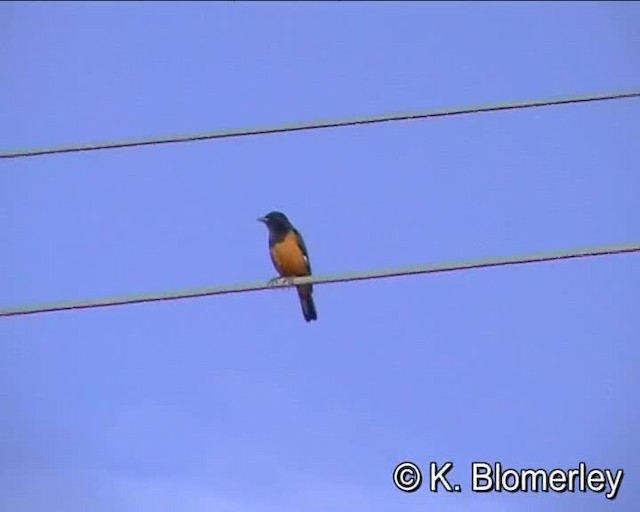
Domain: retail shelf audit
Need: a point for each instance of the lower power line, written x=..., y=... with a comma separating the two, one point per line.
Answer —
x=348, y=277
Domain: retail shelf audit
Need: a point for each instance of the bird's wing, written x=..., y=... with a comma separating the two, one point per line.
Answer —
x=303, y=248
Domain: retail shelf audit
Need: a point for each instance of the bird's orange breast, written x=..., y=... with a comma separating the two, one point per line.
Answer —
x=289, y=258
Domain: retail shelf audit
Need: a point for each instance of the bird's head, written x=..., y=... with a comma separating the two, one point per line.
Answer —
x=276, y=221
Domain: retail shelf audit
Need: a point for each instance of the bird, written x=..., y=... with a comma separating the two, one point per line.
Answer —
x=290, y=257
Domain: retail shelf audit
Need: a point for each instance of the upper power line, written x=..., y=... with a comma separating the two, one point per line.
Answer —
x=352, y=276
x=244, y=132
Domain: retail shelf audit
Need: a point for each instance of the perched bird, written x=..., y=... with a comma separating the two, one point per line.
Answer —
x=290, y=258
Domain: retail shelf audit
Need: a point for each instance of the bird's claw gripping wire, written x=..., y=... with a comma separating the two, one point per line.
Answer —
x=280, y=281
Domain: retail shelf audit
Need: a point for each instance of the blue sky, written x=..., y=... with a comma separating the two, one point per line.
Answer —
x=234, y=403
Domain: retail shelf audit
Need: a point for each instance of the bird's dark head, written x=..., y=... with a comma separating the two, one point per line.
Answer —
x=276, y=221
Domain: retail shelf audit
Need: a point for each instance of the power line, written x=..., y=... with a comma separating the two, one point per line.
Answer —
x=244, y=132
x=353, y=276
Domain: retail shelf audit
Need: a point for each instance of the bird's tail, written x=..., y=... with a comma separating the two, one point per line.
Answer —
x=306, y=301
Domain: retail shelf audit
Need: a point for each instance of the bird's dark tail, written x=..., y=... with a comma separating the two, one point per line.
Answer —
x=306, y=301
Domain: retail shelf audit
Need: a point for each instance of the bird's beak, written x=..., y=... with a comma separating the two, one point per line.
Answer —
x=262, y=219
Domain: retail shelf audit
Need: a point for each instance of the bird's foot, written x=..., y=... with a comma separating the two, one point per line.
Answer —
x=280, y=281
x=274, y=281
